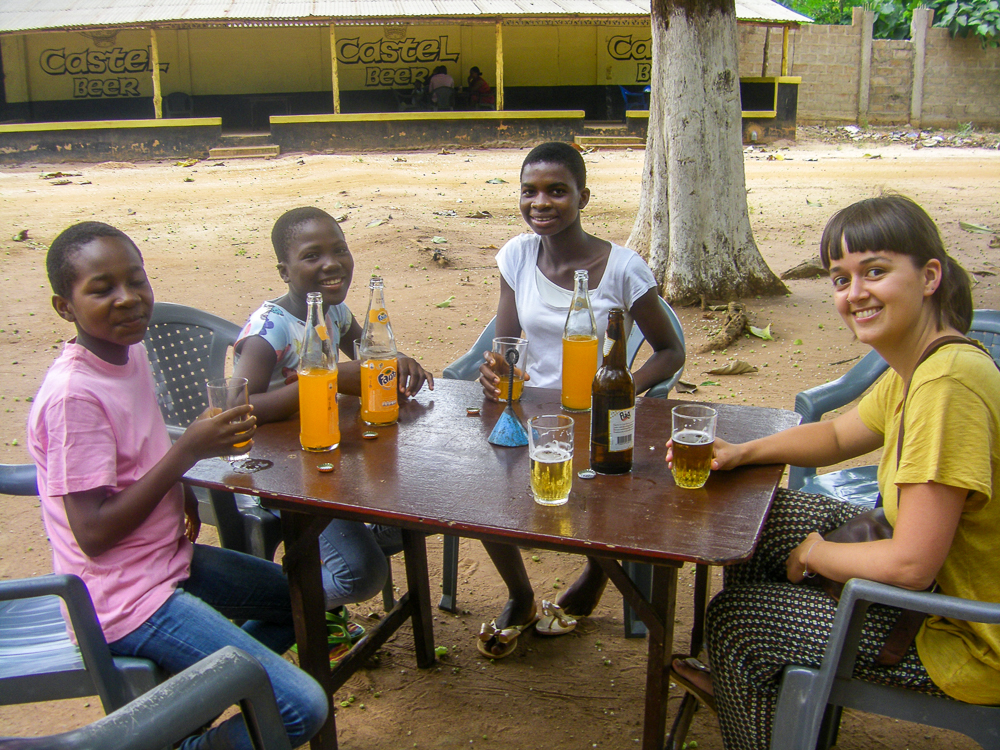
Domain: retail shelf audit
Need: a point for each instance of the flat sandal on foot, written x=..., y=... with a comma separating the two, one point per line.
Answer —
x=692, y=663
x=554, y=620
x=505, y=637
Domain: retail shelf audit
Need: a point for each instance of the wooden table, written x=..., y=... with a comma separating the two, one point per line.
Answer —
x=435, y=472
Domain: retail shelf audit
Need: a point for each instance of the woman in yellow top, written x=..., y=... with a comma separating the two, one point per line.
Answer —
x=898, y=291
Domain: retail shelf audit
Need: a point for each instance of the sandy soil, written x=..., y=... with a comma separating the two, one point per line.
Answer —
x=204, y=230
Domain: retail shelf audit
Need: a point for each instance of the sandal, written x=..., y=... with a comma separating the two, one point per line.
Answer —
x=506, y=637
x=337, y=638
x=554, y=620
x=693, y=663
x=340, y=617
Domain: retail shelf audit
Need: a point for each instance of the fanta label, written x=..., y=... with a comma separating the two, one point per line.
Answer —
x=379, y=403
x=379, y=316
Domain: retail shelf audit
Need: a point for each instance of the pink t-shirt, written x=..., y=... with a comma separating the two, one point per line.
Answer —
x=94, y=424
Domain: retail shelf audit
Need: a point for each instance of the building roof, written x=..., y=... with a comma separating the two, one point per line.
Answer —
x=59, y=15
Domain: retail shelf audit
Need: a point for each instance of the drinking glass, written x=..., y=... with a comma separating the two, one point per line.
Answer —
x=501, y=345
x=693, y=434
x=225, y=394
x=550, y=448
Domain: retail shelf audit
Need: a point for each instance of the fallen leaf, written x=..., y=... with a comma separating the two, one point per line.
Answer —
x=488, y=247
x=398, y=158
x=341, y=218
x=53, y=175
x=797, y=342
x=447, y=303
x=683, y=387
x=708, y=382
x=445, y=152
x=775, y=157
x=984, y=273
x=375, y=223
x=479, y=215
x=440, y=651
x=186, y=163
x=21, y=236
x=739, y=367
x=447, y=212
x=813, y=203
x=438, y=240
x=762, y=333
x=995, y=242
x=61, y=182
x=978, y=228
x=189, y=179
x=871, y=156
x=496, y=181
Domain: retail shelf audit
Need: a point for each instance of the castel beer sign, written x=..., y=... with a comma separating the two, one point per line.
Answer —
x=99, y=73
x=395, y=62
x=627, y=49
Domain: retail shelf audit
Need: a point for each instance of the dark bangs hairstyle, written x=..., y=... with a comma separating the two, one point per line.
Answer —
x=896, y=224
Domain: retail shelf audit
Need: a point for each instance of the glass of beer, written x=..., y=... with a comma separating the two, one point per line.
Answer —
x=225, y=394
x=550, y=447
x=694, y=438
x=501, y=345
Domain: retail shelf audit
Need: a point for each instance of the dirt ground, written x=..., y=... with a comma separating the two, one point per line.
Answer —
x=204, y=230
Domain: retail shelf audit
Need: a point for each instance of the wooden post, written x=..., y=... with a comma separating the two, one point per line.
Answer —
x=499, y=86
x=784, y=51
x=157, y=91
x=767, y=50
x=922, y=18
x=333, y=70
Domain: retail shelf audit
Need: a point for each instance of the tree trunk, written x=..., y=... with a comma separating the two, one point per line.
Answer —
x=692, y=222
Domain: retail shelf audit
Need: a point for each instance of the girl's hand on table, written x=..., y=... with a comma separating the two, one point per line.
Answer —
x=796, y=567
x=412, y=377
x=725, y=456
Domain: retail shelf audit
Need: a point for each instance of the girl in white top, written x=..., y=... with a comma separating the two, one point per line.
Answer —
x=535, y=290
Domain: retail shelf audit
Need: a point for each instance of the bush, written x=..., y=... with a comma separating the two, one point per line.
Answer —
x=963, y=17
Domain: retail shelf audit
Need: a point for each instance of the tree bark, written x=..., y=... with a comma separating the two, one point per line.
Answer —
x=692, y=223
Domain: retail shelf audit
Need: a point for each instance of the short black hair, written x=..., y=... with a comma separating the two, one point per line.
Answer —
x=562, y=154
x=286, y=225
x=59, y=261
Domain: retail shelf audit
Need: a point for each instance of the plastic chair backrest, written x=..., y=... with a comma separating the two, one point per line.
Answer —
x=632, y=97
x=443, y=97
x=813, y=403
x=187, y=347
x=179, y=707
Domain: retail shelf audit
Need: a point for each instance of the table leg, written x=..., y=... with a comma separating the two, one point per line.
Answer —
x=418, y=588
x=685, y=715
x=658, y=615
x=306, y=585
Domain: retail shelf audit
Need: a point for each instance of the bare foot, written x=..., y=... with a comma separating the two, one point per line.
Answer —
x=582, y=597
x=700, y=678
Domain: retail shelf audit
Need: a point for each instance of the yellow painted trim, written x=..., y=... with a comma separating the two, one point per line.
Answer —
x=639, y=114
x=761, y=115
x=439, y=116
x=178, y=122
x=771, y=79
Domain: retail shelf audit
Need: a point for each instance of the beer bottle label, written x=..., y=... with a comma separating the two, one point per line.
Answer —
x=380, y=315
x=621, y=429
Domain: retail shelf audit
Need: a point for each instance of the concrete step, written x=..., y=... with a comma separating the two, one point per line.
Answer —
x=244, y=152
x=609, y=141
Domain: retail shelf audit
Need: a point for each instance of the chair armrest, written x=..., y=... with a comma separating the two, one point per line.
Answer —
x=18, y=479
x=857, y=590
x=89, y=636
x=813, y=403
x=170, y=712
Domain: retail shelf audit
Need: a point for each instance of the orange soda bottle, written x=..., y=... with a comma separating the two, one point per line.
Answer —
x=318, y=414
x=379, y=367
x=579, y=348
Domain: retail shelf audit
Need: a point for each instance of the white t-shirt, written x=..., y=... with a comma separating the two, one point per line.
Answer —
x=626, y=278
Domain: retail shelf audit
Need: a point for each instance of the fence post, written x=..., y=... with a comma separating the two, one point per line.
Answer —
x=866, y=19
x=922, y=18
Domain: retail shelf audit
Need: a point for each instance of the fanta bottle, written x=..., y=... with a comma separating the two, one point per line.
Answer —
x=318, y=413
x=377, y=351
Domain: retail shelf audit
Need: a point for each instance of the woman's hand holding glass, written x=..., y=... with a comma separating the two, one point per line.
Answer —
x=490, y=380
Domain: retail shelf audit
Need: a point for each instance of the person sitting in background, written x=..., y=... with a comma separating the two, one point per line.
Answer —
x=438, y=79
x=480, y=95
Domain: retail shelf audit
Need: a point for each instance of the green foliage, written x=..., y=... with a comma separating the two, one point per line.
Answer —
x=979, y=18
x=963, y=17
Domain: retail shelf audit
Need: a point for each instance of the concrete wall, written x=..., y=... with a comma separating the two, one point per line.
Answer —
x=928, y=80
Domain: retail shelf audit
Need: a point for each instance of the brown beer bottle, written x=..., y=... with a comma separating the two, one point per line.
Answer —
x=612, y=416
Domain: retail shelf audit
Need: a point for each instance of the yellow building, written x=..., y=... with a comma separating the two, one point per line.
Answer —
x=246, y=60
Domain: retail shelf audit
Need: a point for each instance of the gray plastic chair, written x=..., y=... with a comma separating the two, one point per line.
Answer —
x=179, y=707
x=466, y=367
x=811, y=700
x=860, y=485
x=188, y=347
x=38, y=662
x=443, y=98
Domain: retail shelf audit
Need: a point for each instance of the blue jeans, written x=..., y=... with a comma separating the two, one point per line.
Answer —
x=193, y=623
